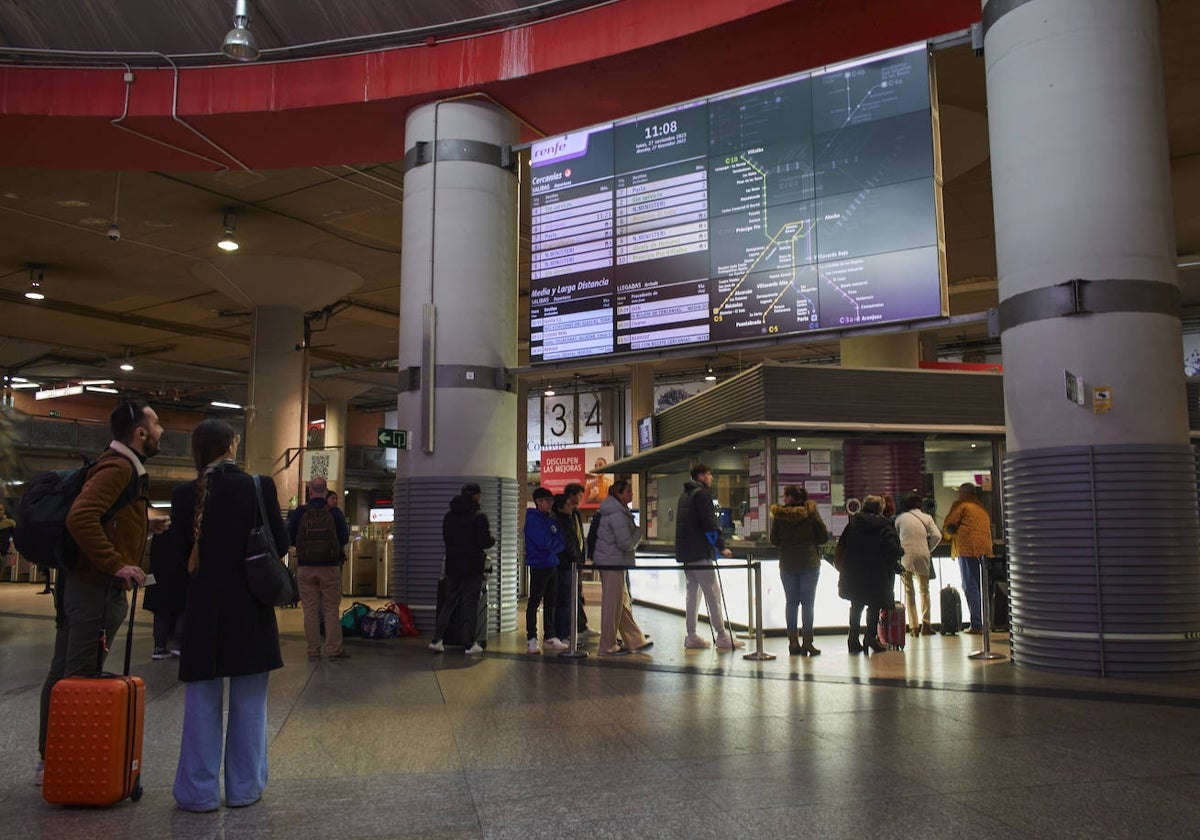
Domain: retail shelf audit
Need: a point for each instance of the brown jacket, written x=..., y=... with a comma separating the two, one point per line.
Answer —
x=106, y=547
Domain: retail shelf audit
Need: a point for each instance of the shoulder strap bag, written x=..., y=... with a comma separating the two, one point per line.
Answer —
x=268, y=579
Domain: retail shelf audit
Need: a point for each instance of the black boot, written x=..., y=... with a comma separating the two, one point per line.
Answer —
x=853, y=643
x=794, y=644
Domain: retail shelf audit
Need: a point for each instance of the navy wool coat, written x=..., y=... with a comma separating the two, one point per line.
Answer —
x=226, y=632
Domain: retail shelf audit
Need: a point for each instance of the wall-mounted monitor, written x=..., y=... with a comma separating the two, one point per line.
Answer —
x=645, y=431
x=804, y=203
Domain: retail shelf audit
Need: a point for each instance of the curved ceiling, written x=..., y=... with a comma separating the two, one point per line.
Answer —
x=310, y=152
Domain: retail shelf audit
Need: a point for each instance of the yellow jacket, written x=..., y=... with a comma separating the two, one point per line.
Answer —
x=973, y=537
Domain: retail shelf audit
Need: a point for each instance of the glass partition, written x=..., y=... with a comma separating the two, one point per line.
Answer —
x=838, y=471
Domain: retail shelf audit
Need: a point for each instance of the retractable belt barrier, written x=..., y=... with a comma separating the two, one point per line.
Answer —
x=752, y=566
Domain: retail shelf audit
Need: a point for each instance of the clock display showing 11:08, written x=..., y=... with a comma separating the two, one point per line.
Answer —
x=663, y=129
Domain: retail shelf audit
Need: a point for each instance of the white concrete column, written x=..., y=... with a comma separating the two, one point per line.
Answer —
x=458, y=339
x=278, y=418
x=1081, y=188
x=1088, y=284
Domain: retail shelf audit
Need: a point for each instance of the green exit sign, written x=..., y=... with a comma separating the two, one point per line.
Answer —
x=392, y=438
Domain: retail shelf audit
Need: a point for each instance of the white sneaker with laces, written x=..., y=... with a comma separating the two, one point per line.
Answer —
x=533, y=647
x=694, y=642
x=554, y=644
x=474, y=650
x=727, y=642
x=437, y=647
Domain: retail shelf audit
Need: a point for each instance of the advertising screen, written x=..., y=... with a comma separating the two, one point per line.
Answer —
x=804, y=203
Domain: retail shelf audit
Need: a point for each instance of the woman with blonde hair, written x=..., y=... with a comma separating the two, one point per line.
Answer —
x=228, y=636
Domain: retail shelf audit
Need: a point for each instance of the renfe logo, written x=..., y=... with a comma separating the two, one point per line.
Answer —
x=558, y=149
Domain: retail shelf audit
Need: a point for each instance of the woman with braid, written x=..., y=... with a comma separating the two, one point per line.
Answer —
x=228, y=636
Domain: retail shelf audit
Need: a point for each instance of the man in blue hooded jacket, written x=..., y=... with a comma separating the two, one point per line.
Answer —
x=543, y=541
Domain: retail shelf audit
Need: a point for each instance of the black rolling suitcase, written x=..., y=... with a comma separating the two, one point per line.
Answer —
x=951, y=607
x=456, y=633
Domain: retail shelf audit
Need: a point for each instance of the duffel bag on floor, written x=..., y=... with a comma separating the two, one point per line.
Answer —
x=380, y=624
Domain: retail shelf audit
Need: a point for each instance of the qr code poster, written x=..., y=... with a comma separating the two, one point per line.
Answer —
x=322, y=463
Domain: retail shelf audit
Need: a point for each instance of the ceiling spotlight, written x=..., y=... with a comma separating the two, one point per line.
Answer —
x=239, y=44
x=228, y=243
x=35, y=285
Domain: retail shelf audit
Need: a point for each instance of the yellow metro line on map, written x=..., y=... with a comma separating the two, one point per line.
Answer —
x=770, y=242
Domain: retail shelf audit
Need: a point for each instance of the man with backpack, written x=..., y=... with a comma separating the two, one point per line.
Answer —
x=108, y=522
x=320, y=534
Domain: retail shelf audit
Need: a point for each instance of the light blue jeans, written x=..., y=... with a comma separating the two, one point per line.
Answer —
x=198, y=776
x=799, y=590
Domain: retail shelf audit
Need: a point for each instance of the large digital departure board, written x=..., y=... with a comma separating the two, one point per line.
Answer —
x=804, y=203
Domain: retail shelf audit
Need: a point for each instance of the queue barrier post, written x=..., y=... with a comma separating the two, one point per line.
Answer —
x=759, y=655
x=985, y=607
x=751, y=624
x=573, y=652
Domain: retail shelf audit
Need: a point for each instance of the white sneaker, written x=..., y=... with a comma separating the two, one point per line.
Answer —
x=474, y=650
x=727, y=642
x=589, y=633
x=694, y=642
x=533, y=647
x=437, y=647
x=554, y=644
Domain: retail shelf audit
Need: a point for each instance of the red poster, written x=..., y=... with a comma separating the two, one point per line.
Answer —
x=562, y=466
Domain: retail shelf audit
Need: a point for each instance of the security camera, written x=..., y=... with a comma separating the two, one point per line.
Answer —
x=114, y=232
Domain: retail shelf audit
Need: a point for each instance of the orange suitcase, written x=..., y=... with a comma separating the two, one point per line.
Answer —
x=94, y=737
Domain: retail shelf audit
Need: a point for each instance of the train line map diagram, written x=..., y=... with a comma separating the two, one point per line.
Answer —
x=805, y=233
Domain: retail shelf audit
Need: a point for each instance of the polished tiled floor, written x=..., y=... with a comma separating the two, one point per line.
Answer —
x=399, y=742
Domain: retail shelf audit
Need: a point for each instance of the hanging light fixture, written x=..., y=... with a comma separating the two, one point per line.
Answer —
x=239, y=44
x=227, y=242
x=35, y=285
x=114, y=231
x=709, y=374
x=127, y=365
x=549, y=392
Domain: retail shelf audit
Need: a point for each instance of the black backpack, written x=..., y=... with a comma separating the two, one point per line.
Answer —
x=316, y=538
x=41, y=534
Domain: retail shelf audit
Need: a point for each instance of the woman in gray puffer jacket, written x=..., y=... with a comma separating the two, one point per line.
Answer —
x=617, y=538
x=797, y=529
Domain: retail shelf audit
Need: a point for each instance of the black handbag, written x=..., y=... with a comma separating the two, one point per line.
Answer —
x=269, y=580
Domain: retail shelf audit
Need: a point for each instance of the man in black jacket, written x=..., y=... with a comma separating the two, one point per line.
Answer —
x=466, y=533
x=697, y=539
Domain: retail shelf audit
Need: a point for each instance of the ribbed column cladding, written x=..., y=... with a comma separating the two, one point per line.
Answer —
x=417, y=547
x=1104, y=559
x=883, y=466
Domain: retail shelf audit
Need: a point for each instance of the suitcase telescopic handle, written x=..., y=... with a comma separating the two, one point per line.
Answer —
x=103, y=646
